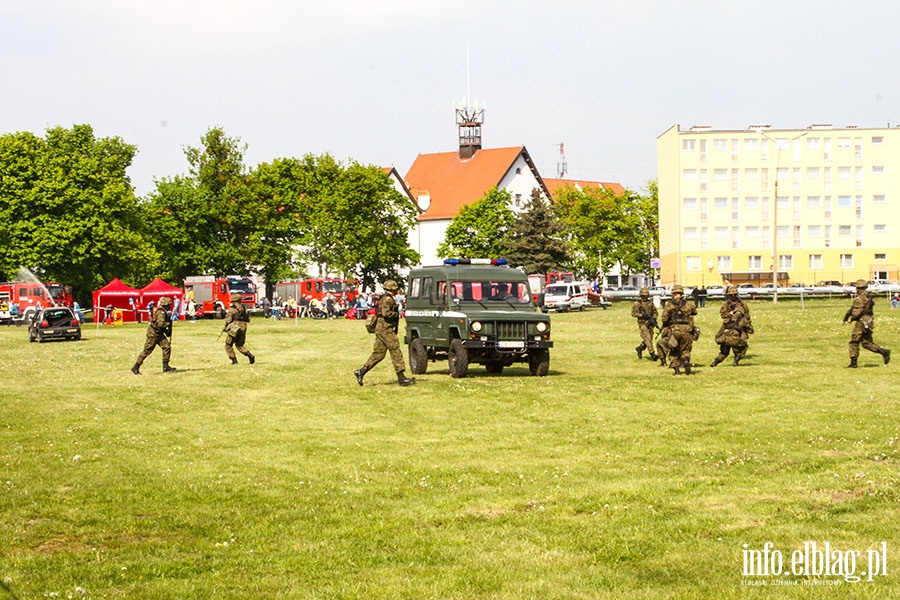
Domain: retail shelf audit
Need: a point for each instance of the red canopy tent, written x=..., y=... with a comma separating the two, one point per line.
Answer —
x=158, y=288
x=115, y=294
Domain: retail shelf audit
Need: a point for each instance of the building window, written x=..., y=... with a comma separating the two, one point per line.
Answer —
x=735, y=209
x=721, y=233
x=845, y=230
x=813, y=143
x=764, y=179
x=724, y=263
x=735, y=150
x=827, y=206
x=518, y=200
x=765, y=209
x=782, y=173
x=878, y=198
x=826, y=149
x=843, y=143
x=814, y=231
x=813, y=172
x=827, y=173
x=754, y=262
x=860, y=232
x=704, y=209
x=764, y=150
x=783, y=231
x=721, y=174
x=859, y=207
x=702, y=150
x=704, y=180
x=688, y=145
x=720, y=145
x=843, y=172
x=751, y=174
x=878, y=170
x=844, y=202
x=690, y=204
x=815, y=261
x=735, y=180
x=879, y=228
x=752, y=232
x=766, y=236
x=797, y=180
x=751, y=202
x=735, y=237
x=813, y=202
x=751, y=144
x=721, y=203
x=796, y=236
x=785, y=261
x=857, y=148
x=880, y=256
x=858, y=177
x=846, y=261
x=828, y=241
x=692, y=263
x=690, y=174
x=877, y=139
x=796, y=208
x=704, y=238
x=690, y=233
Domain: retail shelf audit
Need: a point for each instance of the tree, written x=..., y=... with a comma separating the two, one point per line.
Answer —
x=480, y=228
x=538, y=242
x=68, y=210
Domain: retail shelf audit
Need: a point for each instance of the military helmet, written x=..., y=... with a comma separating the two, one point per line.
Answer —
x=390, y=285
x=165, y=301
x=644, y=292
x=677, y=289
x=861, y=283
x=235, y=297
x=731, y=291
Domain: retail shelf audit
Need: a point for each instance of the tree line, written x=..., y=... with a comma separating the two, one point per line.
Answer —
x=68, y=213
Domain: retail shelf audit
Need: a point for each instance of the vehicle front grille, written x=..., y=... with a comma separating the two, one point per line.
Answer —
x=510, y=330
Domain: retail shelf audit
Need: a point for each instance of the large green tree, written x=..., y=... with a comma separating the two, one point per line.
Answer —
x=538, y=242
x=68, y=211
x=480, y=228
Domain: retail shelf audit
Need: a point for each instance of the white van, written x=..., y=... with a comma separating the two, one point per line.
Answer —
x=565, y=296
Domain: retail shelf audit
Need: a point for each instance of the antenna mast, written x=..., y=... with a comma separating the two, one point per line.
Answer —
x=469, y=120
x=562, y=167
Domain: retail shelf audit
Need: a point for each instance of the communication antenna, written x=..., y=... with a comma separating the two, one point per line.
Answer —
x=562, y=167
x=469, y=119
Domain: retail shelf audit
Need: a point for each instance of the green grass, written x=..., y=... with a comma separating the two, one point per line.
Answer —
x=610, y=478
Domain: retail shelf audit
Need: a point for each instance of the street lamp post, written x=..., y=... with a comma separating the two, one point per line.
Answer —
x=775, y=212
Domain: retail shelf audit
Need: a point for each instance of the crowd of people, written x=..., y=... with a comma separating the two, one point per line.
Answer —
x=331, y=307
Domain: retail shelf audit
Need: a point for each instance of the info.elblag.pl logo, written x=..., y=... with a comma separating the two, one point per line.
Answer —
x=822, y=561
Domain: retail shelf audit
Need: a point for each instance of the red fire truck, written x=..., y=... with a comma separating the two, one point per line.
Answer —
x=212, y=295
x=318, y=288
x=22, y=298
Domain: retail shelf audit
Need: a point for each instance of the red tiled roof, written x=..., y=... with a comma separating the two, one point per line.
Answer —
x=554, y=185
x=452, y=182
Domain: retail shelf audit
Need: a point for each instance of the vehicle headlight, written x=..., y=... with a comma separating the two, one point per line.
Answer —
x=476, y=326
x=542, y=326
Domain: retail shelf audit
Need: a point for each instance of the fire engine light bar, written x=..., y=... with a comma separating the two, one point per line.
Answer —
x=475, y=261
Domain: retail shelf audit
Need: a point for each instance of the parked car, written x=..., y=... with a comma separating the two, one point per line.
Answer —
x=563, y=297
x=55, y=323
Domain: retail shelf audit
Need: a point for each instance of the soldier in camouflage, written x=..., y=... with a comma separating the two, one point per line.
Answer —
x=159, y=333
x=736, y=327
x=678, y=316
x=236, y=320
x=862, y=315
x=644, y=311
x=386, y=326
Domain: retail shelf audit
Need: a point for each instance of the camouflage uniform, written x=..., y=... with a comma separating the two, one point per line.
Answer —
x=159, y=333
x=645, y=312
x=736, y=327
x=236, y=320
x=862, y=315
x=678, y=316
x=662, y=346
x=386, y=340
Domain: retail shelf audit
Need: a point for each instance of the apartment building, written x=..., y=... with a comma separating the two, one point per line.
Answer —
x=822, y=201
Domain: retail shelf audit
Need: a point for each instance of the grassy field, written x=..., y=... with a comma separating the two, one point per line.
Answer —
x=610, y=478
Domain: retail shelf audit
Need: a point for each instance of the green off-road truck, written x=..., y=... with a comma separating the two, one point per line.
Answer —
x=474, y=311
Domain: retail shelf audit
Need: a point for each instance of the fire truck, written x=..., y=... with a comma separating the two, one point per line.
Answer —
x=22, y=298
x=212, y=295
x=318, y=288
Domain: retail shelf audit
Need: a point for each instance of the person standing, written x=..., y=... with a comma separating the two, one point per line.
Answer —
x=678, y=316
x=386, y=325
x=159, y=333
x=236, y=320
x=645, y=312
x=862, y=315
x=736, y=327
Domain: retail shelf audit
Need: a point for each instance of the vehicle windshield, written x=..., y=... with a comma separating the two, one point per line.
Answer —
x=514, y=292
x=241, y=286
x=557, y=290
x=335, y=287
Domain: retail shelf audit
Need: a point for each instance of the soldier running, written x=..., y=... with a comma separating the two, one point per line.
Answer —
x=159, y=333
x=736, y=327
x=862, y=315
x=678, y=316
x=236, y=320
x=386, y=326
x=644, y=311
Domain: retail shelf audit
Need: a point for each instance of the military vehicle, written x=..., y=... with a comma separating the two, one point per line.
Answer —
x=474, y=311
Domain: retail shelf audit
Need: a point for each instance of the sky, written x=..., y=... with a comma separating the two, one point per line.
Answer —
x=377, y=82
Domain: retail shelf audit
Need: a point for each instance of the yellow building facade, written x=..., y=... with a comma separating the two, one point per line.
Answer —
x=824, y=201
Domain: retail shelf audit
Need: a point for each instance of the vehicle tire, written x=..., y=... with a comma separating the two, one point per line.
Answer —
x=539, y=362
x=40, y=339
x=220, y=312
x=494, y=367
x=31, y=337
x=418, y=357
x=458, y=357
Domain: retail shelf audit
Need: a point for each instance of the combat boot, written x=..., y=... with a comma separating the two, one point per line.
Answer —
x=653, y=357
x=167, y=368
x=677, y=371
x=737, y=359
x=136, y=369
x=687, y=369
x=886, y=354
x=251, y=357
x=403, y=380
x=360, y=373
x=715, y=361
x=234, y=360
x=640, y=352
x=662, y=361
x=852, y=364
